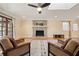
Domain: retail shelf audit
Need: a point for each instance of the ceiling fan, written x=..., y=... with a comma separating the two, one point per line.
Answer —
x=39, y=6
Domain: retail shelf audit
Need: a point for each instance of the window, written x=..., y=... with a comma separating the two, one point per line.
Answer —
x=65, y=26
x=75, y=27
x=6, y=27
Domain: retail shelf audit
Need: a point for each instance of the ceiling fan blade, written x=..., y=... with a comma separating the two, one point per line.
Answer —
x=32, y=5
x=45, y=5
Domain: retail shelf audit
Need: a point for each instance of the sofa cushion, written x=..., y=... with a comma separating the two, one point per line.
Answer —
x=24, y=49
x=6, y=44
x=20, y=40
x=71, y=46
x=13, y=42
x=21, y=44
x=56, y=51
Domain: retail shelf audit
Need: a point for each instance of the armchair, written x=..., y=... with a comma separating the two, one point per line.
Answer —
x=69, y=49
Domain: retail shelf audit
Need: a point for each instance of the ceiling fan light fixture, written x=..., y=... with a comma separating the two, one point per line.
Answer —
x=39, y=9
x=39, y=12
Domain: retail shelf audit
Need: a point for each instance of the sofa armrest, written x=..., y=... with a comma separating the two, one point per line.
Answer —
x=20, y=50
x=18, y=41
x=27, y=44
x=61, y=42
x=57, y=51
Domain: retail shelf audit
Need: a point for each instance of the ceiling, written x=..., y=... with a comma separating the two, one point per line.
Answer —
x=60, y=11
x=61, y=6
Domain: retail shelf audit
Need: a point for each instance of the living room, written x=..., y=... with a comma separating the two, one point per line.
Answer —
x=56, y=23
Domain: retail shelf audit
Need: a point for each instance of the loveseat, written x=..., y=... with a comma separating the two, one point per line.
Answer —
x=12, y=47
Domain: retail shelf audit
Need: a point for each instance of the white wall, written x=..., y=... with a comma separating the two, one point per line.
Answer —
x=17, y=28
x=54, y=27
x=27, y=28
x=23, y=28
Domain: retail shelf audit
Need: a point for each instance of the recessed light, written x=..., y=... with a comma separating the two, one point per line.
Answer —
x=23, y=17
x=55, y=16
x=77, y=16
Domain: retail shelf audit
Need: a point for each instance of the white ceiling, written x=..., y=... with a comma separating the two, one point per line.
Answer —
x=24, y=11
x=61, y=6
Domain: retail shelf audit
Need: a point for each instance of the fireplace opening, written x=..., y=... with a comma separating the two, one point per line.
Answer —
x=39, y=32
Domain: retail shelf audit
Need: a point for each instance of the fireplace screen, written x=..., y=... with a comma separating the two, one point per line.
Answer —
x=39, y=33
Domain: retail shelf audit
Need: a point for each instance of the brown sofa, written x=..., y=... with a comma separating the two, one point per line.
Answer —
x=13, y=47
x=70, y=48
